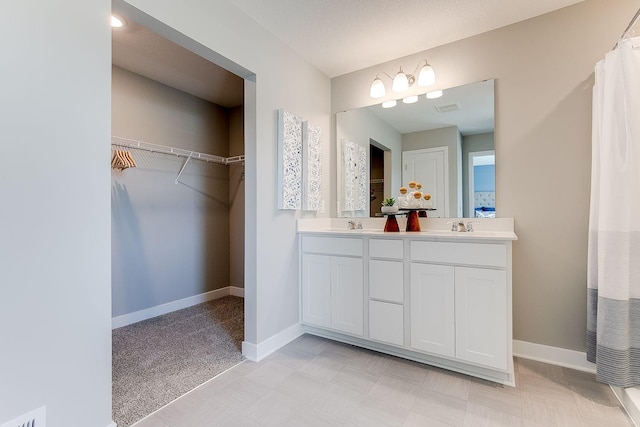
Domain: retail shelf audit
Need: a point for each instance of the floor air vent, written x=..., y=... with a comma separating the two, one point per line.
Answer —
x=35, y=418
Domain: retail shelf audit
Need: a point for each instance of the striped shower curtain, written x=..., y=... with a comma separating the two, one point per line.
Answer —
x=613, y=280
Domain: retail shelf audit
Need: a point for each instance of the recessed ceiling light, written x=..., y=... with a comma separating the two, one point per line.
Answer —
x=410, y=99
x=434, y=94
x=117, y=22
x=389, y=104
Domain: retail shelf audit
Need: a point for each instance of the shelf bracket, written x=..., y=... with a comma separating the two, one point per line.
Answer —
x=182, y=169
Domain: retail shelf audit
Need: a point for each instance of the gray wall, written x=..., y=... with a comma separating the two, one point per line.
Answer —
x=55, y=285
x=169, y=241
x=472, y=143
x=544, y=77
x=443, y=137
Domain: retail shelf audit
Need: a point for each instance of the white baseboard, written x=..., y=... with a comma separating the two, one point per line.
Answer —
x=236, y=291
x=158, y=310
x=553, y=355
x=256, y=353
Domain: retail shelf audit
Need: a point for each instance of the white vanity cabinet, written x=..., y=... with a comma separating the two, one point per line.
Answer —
x=333, y=284
x=440, y=298
x=457, y=310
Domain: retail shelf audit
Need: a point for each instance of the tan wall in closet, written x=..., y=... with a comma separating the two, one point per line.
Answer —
x=169, y=241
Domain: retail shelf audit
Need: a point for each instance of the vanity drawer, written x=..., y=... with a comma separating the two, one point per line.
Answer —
x=386, y=322
x=332, y=245
x=386, y=280
x=482, y=254
x=379, y=248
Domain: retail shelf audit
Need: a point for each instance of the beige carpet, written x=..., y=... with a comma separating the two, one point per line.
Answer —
x=158, y=360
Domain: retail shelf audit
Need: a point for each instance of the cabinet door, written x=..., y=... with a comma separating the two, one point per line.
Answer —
x=481, y=316
x=316, y=290
x=347, y=295
x=432, y=308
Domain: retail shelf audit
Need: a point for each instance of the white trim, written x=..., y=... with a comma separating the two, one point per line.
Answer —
x=256, y=353
x=236, y=291
x=158, y=310
x=630, y=400
x=553, y=355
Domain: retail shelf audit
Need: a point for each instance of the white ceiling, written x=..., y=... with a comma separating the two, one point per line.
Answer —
x=336, y=36
x=341, y=36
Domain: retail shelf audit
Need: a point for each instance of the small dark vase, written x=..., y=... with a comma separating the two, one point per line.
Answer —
x=413, y=222
x=392, y=224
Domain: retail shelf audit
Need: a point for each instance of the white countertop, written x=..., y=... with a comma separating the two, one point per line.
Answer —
x=485, y=229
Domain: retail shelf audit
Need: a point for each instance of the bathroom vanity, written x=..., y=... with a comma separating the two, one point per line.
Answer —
x=437, y=296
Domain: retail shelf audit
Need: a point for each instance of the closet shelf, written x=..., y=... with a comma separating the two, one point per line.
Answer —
x=180, y=152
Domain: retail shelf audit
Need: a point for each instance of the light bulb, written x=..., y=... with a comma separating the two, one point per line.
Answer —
x=427, y=76
x=434, y=94
x=410, y=99
x=117, y=22
x=389, y=104
x=400, y=82
x=377, y=89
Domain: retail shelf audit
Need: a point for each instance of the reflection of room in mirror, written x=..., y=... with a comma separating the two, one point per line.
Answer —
x=462, y=120
x=376, y=179
x=356, y=186
x=482, y=183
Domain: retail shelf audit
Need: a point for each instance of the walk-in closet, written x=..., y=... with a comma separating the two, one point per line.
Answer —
x=177, y=206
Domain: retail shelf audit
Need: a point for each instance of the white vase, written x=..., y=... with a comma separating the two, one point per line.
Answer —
x=389, y=209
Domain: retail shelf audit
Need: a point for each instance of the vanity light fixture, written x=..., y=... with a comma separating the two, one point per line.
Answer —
x=117, y=22
x=402, y=81
x=410, y=99
x=434, y=94
x=389, y=104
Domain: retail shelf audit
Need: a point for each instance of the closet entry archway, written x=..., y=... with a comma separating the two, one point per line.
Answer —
x=186, y=148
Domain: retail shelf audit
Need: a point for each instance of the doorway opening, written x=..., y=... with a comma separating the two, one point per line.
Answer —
x=482, y=184
x=379, y=176
x=178, y=225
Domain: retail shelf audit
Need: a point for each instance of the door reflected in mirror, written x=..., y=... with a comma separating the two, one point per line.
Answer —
x=401, y=142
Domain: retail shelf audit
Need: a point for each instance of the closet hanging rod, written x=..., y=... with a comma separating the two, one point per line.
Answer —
x=180, y=152
x=626, y=31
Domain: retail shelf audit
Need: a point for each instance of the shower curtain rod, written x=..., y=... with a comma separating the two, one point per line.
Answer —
x=155, y=148
x=629, y=27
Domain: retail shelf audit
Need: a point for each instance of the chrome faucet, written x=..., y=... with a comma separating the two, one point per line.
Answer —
x=354, y=225
x=458, y=226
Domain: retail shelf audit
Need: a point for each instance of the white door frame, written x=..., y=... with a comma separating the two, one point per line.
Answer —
x=471, y=206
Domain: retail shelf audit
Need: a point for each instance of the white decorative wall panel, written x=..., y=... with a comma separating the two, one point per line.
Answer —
x=311, y=167
x=289, y=160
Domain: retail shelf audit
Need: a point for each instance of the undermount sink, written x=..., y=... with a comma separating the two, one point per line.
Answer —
x=461, y=233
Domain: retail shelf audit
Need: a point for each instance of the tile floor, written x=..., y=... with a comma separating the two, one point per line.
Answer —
x=318, y=382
